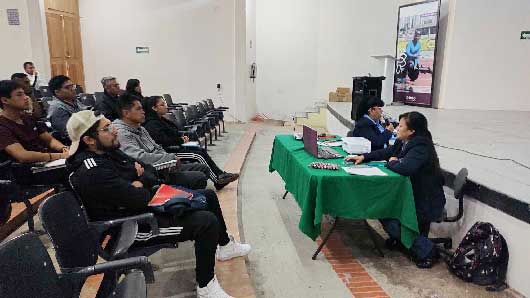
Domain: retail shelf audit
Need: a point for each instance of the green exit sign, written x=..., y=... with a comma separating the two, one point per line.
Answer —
x=525, y=34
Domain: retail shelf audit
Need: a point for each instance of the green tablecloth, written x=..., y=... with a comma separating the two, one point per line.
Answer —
x=338, y=193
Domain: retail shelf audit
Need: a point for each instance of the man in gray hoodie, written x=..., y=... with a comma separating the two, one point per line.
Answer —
x=136, y=142
x=63, y=105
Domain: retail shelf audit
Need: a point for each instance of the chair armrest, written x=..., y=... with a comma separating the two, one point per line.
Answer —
x=132, y=286
x=125, y=240
x=142, y=263
x=146, y=218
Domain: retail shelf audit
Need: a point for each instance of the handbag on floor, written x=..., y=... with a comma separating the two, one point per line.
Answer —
x=482, y=257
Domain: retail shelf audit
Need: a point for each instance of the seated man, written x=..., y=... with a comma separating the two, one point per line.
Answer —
x=35, y=108
x=166, y=134
x=112, y=185
x=368, y=123
x=22, y=139
x=137, y=143
x=63, y=105
x=109, y=105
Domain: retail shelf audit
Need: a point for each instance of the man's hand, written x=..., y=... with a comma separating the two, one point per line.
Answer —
x=139, y=169
x=355, y=158
x=137, y=184
x=185, y=139
x=393, y=158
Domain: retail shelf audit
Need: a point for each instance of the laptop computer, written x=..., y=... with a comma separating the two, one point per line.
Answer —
x=311, y=145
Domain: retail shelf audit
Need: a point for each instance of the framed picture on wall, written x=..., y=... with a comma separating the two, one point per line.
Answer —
x=417, y=34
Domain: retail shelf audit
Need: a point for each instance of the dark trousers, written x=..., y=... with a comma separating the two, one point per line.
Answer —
x=421, y=247
x=191, y=175
x=207, y=228
x=199, y=155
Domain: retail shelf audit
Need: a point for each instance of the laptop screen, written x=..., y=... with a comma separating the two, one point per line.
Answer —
x=310, y=141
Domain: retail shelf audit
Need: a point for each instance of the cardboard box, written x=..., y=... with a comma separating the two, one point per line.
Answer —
x=342, y=90
x=333, y=97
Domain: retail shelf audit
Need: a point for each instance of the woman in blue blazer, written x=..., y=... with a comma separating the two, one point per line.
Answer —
x=414, y=155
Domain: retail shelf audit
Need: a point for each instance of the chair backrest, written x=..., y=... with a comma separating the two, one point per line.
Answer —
x=98, y=96
x=79, y=89
x=45, y=91
x=180, y=119
x=459, y=183
x=67, y=225
x=201, y=108
x=87, y=99
x=191, y=112
x=26, y=270
x=210, y=103
x=168, y=99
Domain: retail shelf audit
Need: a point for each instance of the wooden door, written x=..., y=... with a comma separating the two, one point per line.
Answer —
x=64, y=39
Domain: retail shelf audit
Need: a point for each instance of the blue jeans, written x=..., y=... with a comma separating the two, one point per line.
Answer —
x=421, y=247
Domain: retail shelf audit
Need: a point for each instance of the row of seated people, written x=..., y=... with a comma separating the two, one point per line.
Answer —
x=111, y=165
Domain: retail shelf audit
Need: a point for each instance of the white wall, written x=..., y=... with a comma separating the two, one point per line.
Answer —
x=488, y=67
x=16, y=44
x=192, y=45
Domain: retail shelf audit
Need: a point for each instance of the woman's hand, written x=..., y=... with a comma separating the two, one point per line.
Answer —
x=355, y=158
x=393, y=158
x=137, y=184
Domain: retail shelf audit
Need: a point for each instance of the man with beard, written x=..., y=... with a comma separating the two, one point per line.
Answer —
x=112, y=185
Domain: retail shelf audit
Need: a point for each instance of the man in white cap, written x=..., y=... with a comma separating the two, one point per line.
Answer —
x=112, y=185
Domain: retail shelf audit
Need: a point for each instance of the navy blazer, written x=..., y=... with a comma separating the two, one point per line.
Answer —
x=368, y=130
x=415, y=159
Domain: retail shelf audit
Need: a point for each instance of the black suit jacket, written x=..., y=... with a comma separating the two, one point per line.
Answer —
x=368, y=130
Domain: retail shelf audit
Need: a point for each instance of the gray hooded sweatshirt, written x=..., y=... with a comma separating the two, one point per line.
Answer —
x=59, y=112
x=138, y=144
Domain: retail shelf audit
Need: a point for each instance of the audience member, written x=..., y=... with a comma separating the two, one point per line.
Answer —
x=111, y=185
x=166, y=134
x=35, y=108
x=63, y=105
x=414, y=155
x=137, y=143
x=368, y=123
x=21, y=137
x=134, y=88
x=108, y=106
x=35, y=78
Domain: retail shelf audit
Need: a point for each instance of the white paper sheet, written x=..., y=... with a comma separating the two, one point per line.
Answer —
x=368, y=171
x=191, y=144
x=331, y=144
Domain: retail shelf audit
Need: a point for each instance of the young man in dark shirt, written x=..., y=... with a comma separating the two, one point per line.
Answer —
x=112, y=184
x=22, y=138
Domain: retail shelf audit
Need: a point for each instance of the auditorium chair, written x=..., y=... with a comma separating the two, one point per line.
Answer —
x=44, y=91
x=172, y=105
x=18, y=178
x=458, y=187
x=98, y=96
x=193, y=117
x=211, y=107
x=213, y=116
x=194, y=132
x=87, y=99
x=27, y=270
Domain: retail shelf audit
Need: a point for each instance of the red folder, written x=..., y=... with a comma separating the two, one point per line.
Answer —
x=165, y=193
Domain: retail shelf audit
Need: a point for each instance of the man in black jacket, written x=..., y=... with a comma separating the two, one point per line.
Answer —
x=112, y=185
x=108, y=106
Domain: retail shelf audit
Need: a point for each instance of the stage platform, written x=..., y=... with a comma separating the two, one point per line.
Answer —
x=499, y=134
x=498, y=191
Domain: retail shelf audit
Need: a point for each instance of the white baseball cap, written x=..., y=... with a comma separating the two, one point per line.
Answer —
x=78, y=124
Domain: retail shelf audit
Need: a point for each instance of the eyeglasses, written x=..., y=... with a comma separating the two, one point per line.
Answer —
x=108, y=128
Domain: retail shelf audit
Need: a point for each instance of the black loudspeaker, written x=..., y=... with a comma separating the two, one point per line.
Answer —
x=364, y=87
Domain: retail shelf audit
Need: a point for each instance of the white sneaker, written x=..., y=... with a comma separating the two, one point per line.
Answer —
x=232, y=250
x=212, y=290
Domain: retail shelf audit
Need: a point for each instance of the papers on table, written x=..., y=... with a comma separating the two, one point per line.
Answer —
x=191, y=144
x=56, y=164
x=331, y=143
x=364, y=171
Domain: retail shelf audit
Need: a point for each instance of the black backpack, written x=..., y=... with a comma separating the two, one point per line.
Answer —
x=482, y=257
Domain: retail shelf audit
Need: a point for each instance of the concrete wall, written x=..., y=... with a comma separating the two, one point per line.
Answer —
x=192, y=45
x=488, y=66
x=16, y=43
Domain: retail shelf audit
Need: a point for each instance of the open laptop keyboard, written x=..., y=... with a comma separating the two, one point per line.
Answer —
x=328, y=153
